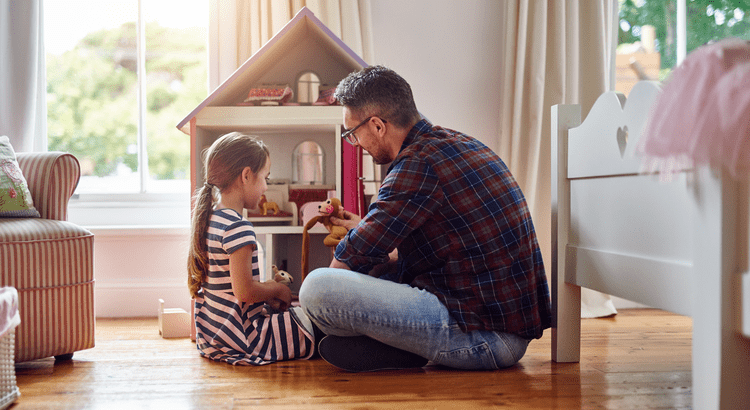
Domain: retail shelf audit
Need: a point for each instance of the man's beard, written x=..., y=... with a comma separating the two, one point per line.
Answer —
x=380, y=156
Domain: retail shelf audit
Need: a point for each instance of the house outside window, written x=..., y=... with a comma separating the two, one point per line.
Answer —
x=120, y=75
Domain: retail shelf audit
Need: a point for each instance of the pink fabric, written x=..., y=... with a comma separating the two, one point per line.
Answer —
x=703, y=110
x=9, y=317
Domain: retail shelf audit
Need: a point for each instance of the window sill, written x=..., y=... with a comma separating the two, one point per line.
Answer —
x=118, y=210
x=119, y=231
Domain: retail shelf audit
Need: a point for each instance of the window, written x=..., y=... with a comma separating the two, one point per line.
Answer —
x=656, y=35
x=120, y=75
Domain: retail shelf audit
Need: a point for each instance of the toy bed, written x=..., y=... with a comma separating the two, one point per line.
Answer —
x=679, y=245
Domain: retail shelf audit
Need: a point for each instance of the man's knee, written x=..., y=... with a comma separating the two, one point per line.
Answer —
x=314, y=287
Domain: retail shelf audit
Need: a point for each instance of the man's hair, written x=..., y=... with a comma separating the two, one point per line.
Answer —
x=377, y=90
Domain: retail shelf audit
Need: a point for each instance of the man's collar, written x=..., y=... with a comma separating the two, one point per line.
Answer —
x=422, y=127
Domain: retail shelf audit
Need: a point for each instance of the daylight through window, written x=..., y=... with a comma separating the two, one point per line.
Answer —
x=654, y=35
x=115, y=105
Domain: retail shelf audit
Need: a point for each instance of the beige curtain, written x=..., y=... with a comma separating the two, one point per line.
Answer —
x=557, y=52
x=259, y=20
x=23, y=78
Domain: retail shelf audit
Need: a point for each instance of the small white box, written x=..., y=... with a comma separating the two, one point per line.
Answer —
x=173, y=322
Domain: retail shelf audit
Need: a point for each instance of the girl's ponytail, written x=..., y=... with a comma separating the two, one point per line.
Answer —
x=198, y=255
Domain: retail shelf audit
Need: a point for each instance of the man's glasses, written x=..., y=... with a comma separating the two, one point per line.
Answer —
x=349, y=135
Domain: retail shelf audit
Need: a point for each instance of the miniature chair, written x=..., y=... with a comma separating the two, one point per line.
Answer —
x=50, y=262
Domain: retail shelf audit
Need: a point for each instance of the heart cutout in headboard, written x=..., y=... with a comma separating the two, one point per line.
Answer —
x=622, y=139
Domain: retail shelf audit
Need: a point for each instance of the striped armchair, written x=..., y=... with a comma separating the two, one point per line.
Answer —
x=50, y=262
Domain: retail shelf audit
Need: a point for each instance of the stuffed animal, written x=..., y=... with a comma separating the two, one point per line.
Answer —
x=331, y=207
x=266, y=205
x=282, y=276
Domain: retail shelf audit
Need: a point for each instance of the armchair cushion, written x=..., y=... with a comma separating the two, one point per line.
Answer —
x=15, y=198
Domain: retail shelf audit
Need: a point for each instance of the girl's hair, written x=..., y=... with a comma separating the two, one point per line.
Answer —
x=223, y=162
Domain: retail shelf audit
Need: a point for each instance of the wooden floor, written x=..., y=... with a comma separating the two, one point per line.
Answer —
x=639, y=359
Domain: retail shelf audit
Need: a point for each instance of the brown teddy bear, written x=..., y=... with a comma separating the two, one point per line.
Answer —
x=331, y=207
x=281, y=276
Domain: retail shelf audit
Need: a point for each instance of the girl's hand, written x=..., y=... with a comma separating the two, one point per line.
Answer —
x=283, y=298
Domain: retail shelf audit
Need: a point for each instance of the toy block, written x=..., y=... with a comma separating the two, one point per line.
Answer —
x=173, y=322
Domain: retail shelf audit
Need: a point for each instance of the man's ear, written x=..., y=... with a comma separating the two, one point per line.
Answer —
x=379, y=125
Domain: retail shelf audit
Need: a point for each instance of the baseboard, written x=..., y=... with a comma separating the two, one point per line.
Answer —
x=128, y=300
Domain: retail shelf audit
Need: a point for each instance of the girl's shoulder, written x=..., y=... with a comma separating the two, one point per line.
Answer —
x=227, y=214
x=227, y=219
x=228, y=230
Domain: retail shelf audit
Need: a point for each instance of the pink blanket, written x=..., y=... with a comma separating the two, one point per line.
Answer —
x=703, y=112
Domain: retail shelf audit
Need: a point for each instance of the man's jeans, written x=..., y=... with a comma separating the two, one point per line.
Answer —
x=346, y=303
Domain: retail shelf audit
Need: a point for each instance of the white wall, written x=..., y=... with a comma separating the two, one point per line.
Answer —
x=449, y=52
x=136, y=266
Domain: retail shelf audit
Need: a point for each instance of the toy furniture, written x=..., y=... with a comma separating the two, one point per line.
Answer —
x=679, y=245
x=50, y=262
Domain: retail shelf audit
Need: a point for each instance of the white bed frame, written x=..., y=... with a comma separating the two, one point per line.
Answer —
x=680, y=246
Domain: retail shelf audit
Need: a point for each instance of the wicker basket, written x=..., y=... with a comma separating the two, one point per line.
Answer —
x=8, y=389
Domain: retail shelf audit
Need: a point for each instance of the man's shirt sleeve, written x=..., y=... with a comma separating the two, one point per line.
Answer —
x=409, y=196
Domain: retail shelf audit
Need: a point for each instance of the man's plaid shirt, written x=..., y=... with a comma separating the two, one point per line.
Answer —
x=463, y=232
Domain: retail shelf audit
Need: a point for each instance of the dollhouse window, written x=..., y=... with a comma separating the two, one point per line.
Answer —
x=307, y=163
x=308, y=88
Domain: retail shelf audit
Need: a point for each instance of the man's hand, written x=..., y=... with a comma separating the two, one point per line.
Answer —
x=388, y=267
x=335, y=263
x=350, y=220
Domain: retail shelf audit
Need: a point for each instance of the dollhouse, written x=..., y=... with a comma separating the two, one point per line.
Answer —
x=283, y=94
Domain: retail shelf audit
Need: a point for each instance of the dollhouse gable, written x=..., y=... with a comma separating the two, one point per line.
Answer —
x=303, y=45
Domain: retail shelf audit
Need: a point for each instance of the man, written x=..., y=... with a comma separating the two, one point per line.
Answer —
x=461, y=280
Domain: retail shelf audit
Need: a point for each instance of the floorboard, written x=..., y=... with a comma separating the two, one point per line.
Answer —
x=639, y=358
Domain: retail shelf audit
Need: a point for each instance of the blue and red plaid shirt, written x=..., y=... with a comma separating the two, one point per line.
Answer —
x=463, y=232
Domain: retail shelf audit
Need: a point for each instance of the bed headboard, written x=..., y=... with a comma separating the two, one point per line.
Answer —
x=606, y=142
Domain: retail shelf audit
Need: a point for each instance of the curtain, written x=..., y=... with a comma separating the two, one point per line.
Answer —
x=259, y=20
x=23, y=84
x=557, y=52
x=244, y=26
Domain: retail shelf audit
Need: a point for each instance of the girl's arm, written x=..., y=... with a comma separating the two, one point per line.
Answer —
x=247, y=290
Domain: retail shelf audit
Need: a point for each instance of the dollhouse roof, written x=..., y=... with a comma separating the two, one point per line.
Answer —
x=304, y=44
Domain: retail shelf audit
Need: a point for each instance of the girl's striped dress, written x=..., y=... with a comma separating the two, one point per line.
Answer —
x=242, y=333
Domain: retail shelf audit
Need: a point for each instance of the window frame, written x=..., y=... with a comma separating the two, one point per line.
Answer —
x=136, y=208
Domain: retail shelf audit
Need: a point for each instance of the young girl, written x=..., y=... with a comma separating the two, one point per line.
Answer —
x=223, y=273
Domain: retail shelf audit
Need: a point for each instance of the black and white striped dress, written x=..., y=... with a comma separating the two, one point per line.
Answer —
x=232, y=331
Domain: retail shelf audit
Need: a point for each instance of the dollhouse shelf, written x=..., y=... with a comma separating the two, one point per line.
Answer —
x=278, y=220
x=270, y=119
x=288, y=230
